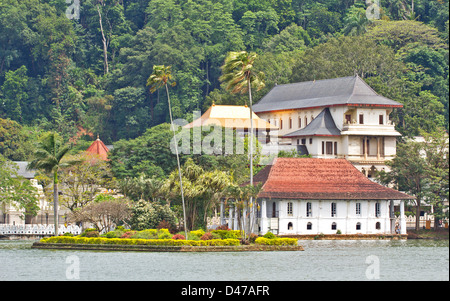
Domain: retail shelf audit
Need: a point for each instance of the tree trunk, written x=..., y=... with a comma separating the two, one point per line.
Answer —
x=105, y=44
x=251, y=151
x=55, y=203
x=418, y=214
x=178, y=162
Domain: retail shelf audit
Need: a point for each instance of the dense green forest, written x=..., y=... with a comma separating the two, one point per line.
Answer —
x=80, y=69
x=86, y=76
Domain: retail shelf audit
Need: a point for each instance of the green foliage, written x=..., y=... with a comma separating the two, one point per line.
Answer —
x=90, y=232
x=132, y=241
x=16, y=191
x=276, y=241
x=269, y=235
x=89, y=76
x=69, y=76
x=227, y=234
x=148, y=215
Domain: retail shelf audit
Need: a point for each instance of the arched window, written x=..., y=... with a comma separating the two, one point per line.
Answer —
x=378, y=226
x=333, y=226
x=290, y=226
x=358, y=226
x=309, y=226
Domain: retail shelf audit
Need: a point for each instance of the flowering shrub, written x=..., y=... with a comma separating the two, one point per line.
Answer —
x=150, y=242
x=207, y=236
x=128, y=234
x=179, y=236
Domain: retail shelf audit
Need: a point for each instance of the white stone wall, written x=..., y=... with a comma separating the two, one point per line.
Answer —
x=321, y=220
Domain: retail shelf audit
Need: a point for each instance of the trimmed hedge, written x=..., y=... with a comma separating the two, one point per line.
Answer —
x=276, y=241
x=227, y=234
x=132, y=241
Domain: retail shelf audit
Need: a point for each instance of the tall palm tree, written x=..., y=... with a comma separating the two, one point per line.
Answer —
x=239, y=77
x=356, y=21
x=48, y=157
x=159, y=78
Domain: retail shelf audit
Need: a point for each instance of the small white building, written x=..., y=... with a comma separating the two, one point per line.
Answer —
x=302, y=196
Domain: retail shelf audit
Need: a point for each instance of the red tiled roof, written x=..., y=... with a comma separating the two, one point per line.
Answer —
x=321, y=179
x=99, y=148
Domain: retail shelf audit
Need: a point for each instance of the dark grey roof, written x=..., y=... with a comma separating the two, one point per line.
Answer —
x=322, y=125
x=351, y=90
x=302, y=150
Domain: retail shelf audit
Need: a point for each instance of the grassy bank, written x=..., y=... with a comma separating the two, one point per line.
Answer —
x=428, y=234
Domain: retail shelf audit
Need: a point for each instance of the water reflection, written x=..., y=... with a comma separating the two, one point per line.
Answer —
x=321, y=260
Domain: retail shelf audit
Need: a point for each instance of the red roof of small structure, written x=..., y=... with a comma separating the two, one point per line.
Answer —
x=99, y=148
x=320, y=179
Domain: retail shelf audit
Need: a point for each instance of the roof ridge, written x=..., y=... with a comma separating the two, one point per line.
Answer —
x=364, y=82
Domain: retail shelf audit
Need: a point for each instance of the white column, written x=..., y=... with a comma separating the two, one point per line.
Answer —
x=235, y=224
x=222, y=217
x=402, y=217
x=230, y=220
x=391, y=216
x=263, y=217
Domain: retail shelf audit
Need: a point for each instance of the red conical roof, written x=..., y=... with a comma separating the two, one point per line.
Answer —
x=98, y=148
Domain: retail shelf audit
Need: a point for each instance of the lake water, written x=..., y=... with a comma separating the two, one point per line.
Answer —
x=321, y=260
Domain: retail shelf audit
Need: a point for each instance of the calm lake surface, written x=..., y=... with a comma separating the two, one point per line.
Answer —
x=321, y=260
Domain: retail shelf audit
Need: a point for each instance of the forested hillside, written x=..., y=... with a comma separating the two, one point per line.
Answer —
x=86, y=76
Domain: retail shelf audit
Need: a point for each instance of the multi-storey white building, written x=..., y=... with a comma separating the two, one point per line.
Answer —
x=334, y=118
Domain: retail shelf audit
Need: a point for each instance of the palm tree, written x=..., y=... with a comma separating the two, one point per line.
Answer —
x=356, y=21
x=48, y=157
x=239, y=77
x=160, y=77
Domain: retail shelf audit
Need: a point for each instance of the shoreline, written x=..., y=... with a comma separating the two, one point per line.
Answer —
x=150, y=248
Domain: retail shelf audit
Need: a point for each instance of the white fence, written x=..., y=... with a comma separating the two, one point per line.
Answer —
x=411, y=221
x=38, y=229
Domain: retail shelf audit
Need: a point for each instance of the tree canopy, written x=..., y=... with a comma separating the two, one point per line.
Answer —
x=88, y=75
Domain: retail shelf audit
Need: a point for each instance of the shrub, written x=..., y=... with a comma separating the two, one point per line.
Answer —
x=276, y=241
x=132, y=241
x=269, y=235
x=252, y=237
x=223, y=227
x=92, y=234
x=146, y=234
x=232, y=234
x=128, y=234
x=164, y=234
x=224, y=234
x=179, y=236
x=85, y=232
x=67, y=234
x=207, y=236
x=199, y=233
